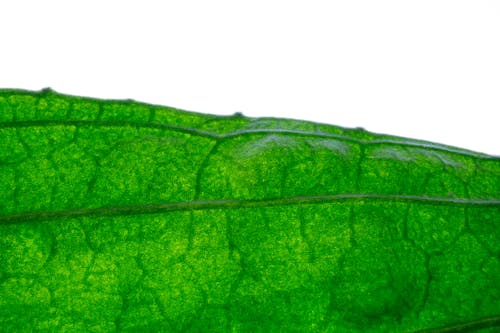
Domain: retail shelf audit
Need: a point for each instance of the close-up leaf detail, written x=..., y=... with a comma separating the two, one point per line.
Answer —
x=120, y=216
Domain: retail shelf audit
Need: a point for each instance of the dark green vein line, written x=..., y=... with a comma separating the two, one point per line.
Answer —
x=215, y=136
x=234, y=204
x=107, y=123
x=465, y=327
x=201, y=169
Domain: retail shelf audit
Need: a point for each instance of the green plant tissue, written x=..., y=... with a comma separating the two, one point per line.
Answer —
x=119, y=216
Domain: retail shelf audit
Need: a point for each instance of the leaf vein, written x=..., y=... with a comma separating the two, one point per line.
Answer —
x=235, y=204
x=212, y=135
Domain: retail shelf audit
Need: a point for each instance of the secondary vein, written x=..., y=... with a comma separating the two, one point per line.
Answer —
x=106, y=123
x=216, y=136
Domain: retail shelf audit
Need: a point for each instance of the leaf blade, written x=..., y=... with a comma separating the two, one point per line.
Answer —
x=122, y=216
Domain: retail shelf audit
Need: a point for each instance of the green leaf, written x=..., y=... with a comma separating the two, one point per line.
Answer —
x=124, y=216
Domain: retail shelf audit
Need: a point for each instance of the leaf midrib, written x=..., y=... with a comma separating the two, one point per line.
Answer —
x=470, y=326
x=233, y=204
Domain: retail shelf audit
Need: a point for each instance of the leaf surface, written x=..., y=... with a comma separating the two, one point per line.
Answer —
x=123, y=216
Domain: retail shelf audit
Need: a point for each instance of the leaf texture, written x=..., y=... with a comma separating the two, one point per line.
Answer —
x=119, y=216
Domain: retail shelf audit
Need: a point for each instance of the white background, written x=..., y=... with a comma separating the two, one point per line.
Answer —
x=421, y=69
